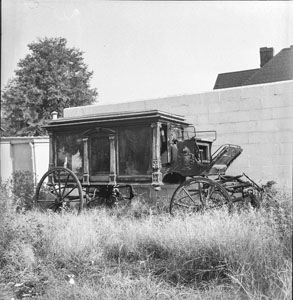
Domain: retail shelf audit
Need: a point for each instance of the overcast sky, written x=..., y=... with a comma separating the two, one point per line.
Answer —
x=143, y=50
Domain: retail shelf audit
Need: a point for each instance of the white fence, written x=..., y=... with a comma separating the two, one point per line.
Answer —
x=24, y=154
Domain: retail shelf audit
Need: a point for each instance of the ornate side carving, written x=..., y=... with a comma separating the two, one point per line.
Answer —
x=157, y=179
x=113, y=167
x=86, y=179
x=112, y=178
x=157, y=164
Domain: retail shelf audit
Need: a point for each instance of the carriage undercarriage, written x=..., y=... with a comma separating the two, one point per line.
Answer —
x=60, y=189
x=108, y=157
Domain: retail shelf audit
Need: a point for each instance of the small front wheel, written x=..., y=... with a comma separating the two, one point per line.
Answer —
x=199, y=194
x=58, y=189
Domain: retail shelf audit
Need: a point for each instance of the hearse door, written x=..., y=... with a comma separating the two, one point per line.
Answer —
x=101, y=144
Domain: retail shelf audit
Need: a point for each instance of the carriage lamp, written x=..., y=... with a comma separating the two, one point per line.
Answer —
x=54, y=115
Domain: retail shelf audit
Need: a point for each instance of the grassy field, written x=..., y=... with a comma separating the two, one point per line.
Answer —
x=113, y=254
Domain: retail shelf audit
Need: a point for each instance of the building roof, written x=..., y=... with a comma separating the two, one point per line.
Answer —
x=232, y=79
x=278, y=68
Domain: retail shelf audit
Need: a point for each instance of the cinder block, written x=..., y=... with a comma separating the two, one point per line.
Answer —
x=218, y=118
x=229, y=106
x=140, y=105
x=179, y=109
x=285, y=148
x=284, y=124
x=261, y=114
x=212, y=97
x=239, y=116
x=250, y=103
x=282, y=112
x=205, y=127
x=261, y=138
x=199, y=108
x=215, y=107
x=260, y=160
x=232, y=119
x=261, y=149
x=284, y=137
x=279, y=89
x=200, y=119
x=267, y=125
x=281, y=175
x=282, y=160
x=248, y=126
x=235, y=171
x=248, y=92
x=276, y=99
x=224, y=128
x=266, y=173
x=229, y=95
x=235, y=138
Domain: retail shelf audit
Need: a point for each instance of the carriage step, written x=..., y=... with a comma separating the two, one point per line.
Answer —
x=230, y=177
x=231, y=188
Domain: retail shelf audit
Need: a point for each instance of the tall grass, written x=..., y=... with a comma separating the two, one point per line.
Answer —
x=243, y=249
x=204, y=256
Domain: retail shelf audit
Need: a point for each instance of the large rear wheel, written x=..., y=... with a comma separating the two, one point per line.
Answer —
x=59, y=189
x=199, y=194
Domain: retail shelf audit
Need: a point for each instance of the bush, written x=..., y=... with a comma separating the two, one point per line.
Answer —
x=5, y=200
x=22, y=189
x=6, y=234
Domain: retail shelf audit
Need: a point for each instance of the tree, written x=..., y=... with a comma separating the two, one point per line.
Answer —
x=50, y=78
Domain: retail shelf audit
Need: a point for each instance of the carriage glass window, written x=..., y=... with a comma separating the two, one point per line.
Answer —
x=176, y=138
x=176, y=134
x=189, y=133
x=70, y=152
x=100, y=155
x=204, y=151
x=135, y=151
x=164, y=144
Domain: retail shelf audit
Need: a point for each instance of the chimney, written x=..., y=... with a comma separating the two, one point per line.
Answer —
x=266, y=54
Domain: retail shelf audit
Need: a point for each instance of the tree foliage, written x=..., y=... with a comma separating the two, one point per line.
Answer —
x=50, y=78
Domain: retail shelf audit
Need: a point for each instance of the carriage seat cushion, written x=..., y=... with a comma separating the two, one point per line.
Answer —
x=218, y=169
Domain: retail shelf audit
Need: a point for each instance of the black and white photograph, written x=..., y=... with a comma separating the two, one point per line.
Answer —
x=146, y=150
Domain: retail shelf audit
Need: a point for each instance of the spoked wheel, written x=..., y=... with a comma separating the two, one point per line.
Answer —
x=59, y=189
x=199, y=194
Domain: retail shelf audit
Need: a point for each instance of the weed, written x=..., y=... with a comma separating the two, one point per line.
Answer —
x=147, y=255
x=22, y=188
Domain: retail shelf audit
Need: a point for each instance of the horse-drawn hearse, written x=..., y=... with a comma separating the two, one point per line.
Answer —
x=105, y=158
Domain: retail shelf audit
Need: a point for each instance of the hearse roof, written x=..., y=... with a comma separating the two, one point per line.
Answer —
x=117, y=118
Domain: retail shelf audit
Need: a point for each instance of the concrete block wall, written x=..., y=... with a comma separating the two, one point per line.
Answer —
x=259, y=118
